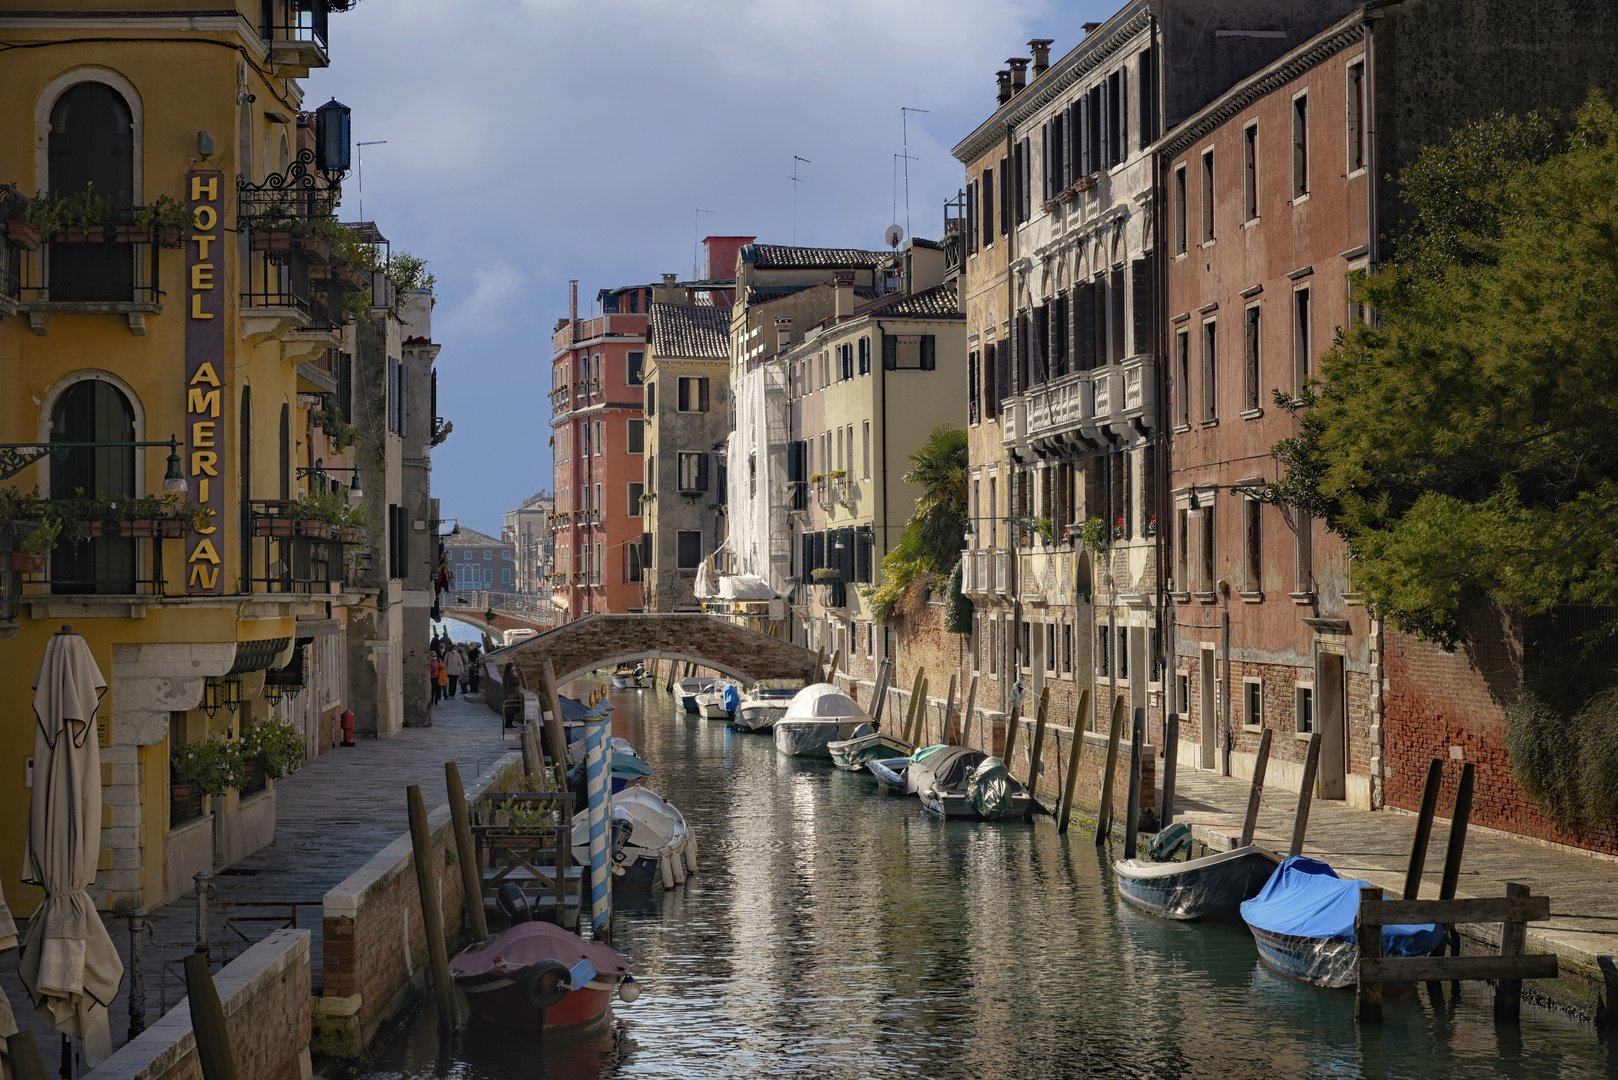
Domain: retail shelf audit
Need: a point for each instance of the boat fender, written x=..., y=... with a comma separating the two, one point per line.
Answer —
x=690, y=850
x=629, y=989
x=678, y=860
x=545, y=983
x=511, y=900
x=667, y=870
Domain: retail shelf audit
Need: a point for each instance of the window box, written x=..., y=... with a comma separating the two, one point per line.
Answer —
x=351, y=534
x=24, y=235
x=143, y=529
x=24, y=563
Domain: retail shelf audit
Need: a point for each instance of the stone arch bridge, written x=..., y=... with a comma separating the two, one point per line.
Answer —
x=596, y=641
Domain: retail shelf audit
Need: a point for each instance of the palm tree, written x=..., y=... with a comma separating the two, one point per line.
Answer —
x=933, y=537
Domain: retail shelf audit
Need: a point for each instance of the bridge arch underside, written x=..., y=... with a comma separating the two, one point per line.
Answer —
x=597, y=641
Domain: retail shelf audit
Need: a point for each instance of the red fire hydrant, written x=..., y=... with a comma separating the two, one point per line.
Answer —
x=346, y=720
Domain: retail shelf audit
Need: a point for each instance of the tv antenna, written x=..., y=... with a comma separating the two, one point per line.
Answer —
x=359, y=171
x=696, y=217
x=904, y=121
x=796, y=180
x=896, y=158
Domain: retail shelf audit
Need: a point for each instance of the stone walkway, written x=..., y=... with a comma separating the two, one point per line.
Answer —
x=1583, y=930
x=332, y=816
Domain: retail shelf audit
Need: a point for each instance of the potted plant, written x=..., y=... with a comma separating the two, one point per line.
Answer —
x=1043, y=524
x=826, y=573
x=212, y=767
x=275, y=746
x=29, y=558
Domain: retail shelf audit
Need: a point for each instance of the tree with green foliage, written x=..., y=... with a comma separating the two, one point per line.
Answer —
x=1465, y=443
x=933, y=537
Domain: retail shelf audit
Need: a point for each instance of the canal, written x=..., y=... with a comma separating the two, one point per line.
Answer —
x=836, y=932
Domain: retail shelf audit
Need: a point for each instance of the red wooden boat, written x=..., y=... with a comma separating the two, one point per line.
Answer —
x=539, y=977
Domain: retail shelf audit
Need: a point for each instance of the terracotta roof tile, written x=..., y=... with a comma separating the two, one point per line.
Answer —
x=783, y=257
x=701, y=332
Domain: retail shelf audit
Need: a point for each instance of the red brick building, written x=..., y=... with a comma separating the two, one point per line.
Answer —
x=1267, y=212
x=598, y=441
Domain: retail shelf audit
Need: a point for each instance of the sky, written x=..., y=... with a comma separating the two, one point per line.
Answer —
x=524, y=143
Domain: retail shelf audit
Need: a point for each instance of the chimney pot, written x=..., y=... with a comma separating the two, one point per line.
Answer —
x=1089, y=28
x=1041, y=48
x=845, y=293
x=1003, y=87
x=1019, y=74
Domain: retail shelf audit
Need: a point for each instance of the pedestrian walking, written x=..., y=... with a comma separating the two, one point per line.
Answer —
x=474, y=669
x=435, y=673
x=454, y=668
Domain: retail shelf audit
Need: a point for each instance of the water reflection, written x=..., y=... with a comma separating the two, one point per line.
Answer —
x=836, y=932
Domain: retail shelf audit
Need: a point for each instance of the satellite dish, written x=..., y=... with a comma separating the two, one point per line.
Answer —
x=894, y=235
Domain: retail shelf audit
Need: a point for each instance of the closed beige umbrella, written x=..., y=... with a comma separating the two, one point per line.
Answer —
x=69, y=964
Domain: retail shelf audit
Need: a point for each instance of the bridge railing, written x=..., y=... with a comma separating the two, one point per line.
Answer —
x=536, y=609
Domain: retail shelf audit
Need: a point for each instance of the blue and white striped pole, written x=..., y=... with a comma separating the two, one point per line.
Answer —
x=597, y=788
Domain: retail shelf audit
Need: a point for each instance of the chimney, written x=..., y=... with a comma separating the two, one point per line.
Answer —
x=783, y=334
x=1019, y=74
x=1041, y=48
x=845, y=293
x=669, y=292
x=1003, y=90
x=573, y=302
x=1090, y=27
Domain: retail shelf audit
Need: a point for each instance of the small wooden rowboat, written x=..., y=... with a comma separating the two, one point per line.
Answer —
x=866, y=745
x=538, y=977
x=1210, y=888
x=892, y=774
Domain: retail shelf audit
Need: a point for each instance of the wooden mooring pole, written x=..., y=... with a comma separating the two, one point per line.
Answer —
x=963, y=730
x=1459, y=819
x=1114, y=733
x=1065, y=812
x=27, y=1063
x=465, y=853
x=1039, y=744
x=1256, y=792
x=1424, y=829
x=1171, y=761
x=918, y=694
x=432, y=916
x=1137, y=736
x=208, y=1021
x=949, y=707
x=554, y=731
x=1306, y=794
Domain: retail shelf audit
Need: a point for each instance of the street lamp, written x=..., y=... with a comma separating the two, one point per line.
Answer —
x=15, y=457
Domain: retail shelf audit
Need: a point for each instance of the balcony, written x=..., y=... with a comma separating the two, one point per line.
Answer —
x=293, y=553
x=109, y=267
x=573, y=333
x=987, y=572
x=296, y=33
x=1082, y=407
x=295, y=278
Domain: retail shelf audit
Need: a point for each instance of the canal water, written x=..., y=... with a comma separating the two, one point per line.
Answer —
x=834, y=932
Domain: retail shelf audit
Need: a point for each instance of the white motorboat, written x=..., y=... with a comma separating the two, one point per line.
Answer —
x=627, y=678
x=762, y=706
x=716, y=703
x=819, y=715
x=653, y=847
x=687, y=690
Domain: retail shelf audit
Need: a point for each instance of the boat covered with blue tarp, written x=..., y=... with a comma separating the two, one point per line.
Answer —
x=1303, y=923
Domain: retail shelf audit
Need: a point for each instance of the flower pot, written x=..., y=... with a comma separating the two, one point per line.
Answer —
x=351, y=534
x=182, y=791
x=24, y=563
x=24, y=235
x=274, y=526
x=314, y=528
x=152, y=529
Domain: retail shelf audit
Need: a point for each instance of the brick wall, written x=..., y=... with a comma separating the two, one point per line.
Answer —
x=1439, y=702
x=923, y=642
x=265, y=992
x=375, y=947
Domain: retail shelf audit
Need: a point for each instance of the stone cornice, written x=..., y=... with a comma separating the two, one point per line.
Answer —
x=1084, y=58
x=1311, y=53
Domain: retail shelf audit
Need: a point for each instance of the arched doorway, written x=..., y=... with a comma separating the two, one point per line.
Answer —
x=92, y=149
x=94, y=411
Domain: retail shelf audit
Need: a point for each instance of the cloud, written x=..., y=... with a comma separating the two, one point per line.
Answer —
x=486, y=306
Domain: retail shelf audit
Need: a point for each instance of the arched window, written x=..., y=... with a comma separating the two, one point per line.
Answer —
x=92, y=148
x=94, y=411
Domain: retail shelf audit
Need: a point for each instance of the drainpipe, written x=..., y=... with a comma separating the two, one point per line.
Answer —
x=1160, y=496
x=1015, y=668
x=1224, y=698
x=1378, y=642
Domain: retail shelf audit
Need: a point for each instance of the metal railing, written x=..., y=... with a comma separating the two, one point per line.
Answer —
x=300, y=20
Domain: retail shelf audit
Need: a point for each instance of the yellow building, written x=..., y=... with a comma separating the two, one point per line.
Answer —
x=155, y=299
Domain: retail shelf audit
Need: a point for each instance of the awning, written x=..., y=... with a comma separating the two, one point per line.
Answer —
x=560, y=600
x=745, y=587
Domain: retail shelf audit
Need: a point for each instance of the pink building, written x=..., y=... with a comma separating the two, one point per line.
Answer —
x=598, y=441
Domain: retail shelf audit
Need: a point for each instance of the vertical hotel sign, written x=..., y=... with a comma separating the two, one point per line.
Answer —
x=204, y=384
